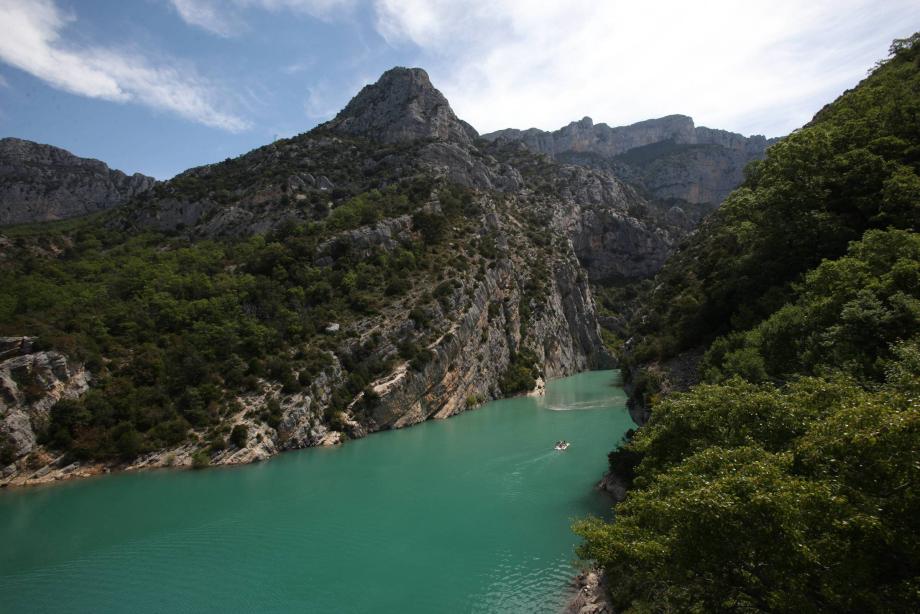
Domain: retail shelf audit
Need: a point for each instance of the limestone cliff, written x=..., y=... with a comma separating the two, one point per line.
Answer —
x=39, y=183
x=31, y=382
x=667, y=158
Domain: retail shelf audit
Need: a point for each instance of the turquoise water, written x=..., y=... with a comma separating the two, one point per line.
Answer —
x=469, y=514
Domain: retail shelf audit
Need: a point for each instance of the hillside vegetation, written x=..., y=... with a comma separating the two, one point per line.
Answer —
x=173, y=330
x=852, y=169
x=786, y=480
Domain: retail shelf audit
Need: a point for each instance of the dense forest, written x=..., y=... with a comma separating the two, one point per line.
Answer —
x=173, y=330
x=786, y=480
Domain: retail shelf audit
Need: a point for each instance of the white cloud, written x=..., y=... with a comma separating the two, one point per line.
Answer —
x=326, y=98
x=298, y=67
x=752, y=67
x=224, y=18
x=322, y=101
x=210, y=16
x=746, y=66
x=32, y=41
x=316, y=8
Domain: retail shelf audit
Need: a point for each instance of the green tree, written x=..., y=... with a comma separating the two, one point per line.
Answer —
x=239, y=435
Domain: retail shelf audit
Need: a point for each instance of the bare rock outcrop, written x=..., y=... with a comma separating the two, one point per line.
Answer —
x=667, y=158
x=591, y=596
x=401, y=106
x=470, y=358
x=31, y=382
x=39, y=183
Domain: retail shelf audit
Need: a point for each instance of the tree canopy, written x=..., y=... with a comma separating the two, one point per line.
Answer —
x=786, y=482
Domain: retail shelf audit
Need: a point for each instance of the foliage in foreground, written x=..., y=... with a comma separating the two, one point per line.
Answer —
x=787, y=483
x=777, y=499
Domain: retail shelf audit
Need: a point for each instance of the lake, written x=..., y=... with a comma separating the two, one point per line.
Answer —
x=470, y=514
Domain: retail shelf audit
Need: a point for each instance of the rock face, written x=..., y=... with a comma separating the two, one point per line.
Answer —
x=31, y=381
x=591, y=596
x=402, y=126
x=617, y=234
x=667, y=158
x=39, y=183
x=492, y=319
x=586, y=136
x=401, y=106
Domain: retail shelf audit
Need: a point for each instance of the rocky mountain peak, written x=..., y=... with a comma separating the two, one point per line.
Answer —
x=402, y=105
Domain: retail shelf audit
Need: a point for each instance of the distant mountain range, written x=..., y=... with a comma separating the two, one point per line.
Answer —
x=667, y=158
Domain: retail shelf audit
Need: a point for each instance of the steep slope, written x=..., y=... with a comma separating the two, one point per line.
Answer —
x=39, y=183
x=859, y=156
x=382, y=269
x=668, y=158
x=798, y=305
x=399, y=128
x=401, y=106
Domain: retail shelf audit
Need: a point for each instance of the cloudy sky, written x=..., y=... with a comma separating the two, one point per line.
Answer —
x=157, y=86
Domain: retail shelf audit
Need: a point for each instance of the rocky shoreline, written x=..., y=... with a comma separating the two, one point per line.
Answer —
x=42, y=467
x=50, y=469
x=485, y=318
x=591, y=594
x=61, y=379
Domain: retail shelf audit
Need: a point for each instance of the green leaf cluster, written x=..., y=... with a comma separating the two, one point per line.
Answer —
x=173, y=330
x=770, y=499
x=786, y=482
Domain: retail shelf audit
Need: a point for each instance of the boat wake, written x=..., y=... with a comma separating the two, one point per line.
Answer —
x=580, y=406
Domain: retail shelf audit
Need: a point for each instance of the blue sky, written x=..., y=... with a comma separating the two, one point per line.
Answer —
x=158, y=86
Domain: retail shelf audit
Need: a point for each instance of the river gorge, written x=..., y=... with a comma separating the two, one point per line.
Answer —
x=466, y=514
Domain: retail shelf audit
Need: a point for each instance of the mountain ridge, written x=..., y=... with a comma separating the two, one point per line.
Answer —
x=610, y=141
x=41, y=182
x=681, y=161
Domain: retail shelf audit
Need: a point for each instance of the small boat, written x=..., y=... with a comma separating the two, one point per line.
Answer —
x=561, y=446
